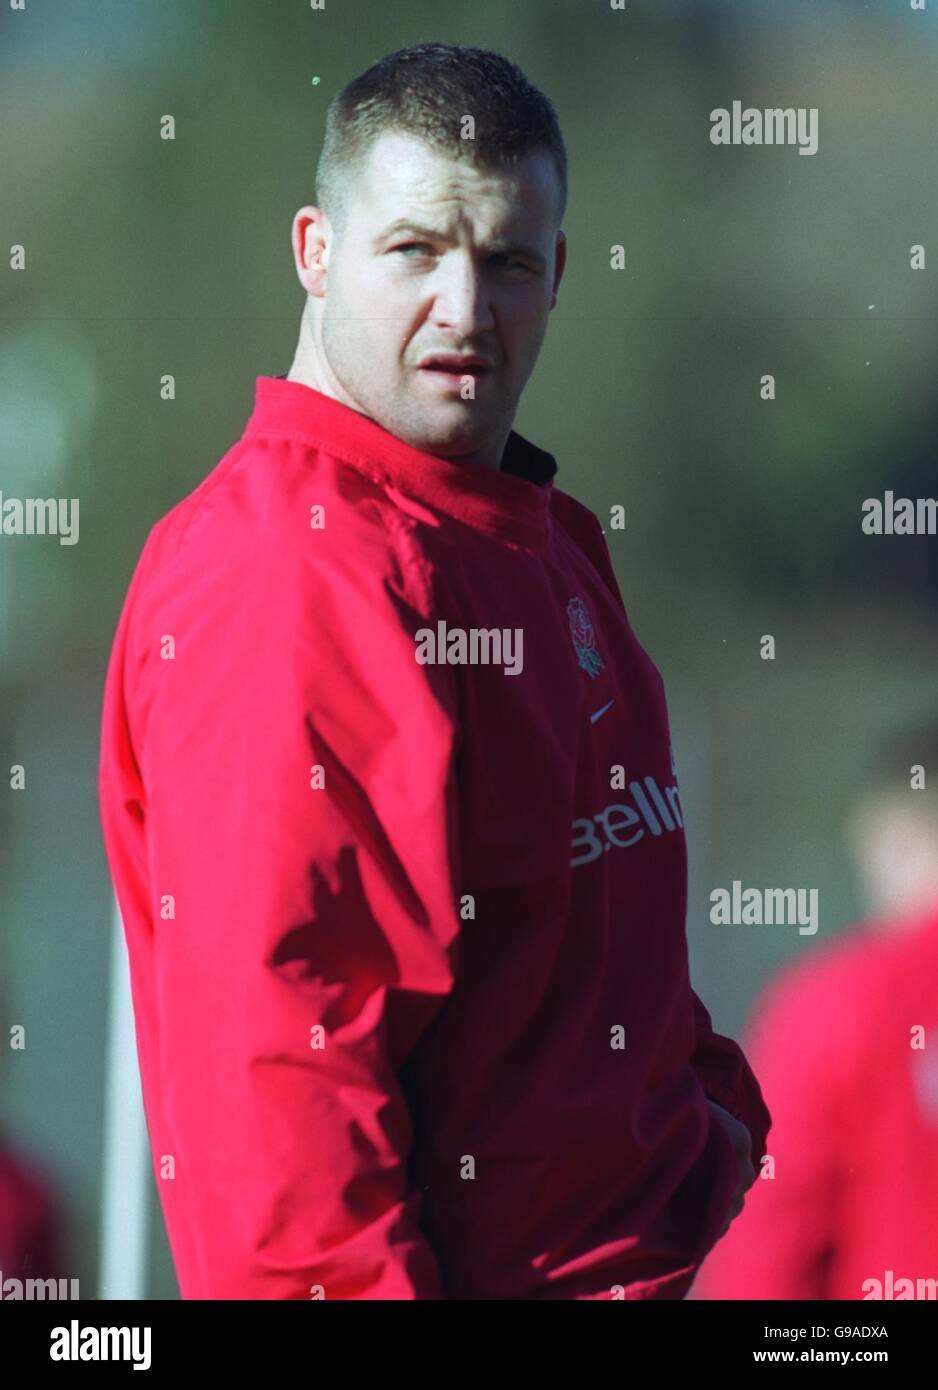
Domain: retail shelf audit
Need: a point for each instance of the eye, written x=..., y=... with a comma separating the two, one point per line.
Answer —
x=513, y=263
x=500, y=260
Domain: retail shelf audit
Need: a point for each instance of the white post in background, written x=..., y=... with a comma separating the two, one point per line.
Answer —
x=122, y=1269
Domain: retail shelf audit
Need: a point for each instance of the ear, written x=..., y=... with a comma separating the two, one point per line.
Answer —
x=560, y=261
x=311, y=237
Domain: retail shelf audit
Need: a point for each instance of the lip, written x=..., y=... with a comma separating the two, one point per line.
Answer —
x=452, y=364
x=450, y=383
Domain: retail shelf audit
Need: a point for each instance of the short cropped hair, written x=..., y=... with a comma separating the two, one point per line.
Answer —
x=425, y=91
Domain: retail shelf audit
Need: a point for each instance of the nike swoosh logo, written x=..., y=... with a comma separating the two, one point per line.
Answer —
x=600, y=712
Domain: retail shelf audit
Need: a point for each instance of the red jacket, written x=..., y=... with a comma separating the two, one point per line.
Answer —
x=846, y=1042
x=409, y=971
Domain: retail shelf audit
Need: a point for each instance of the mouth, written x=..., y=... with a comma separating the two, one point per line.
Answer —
x=451, y=368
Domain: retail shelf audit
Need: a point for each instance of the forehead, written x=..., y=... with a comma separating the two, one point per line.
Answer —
x=404, y=175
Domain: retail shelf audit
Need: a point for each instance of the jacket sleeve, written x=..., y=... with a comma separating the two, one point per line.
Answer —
x=300, y=820
x=727, y=1078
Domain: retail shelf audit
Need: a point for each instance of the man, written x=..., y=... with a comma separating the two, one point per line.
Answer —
x=408, y=954
x=846, y=1037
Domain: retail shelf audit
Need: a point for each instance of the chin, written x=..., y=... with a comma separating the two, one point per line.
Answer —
x=451, y=441
x=443, y=429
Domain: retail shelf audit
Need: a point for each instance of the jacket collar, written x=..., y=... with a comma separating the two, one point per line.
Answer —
x=511, y=503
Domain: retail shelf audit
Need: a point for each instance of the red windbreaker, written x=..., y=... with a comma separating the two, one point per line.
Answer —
x=408, y=957
x=845, y=1042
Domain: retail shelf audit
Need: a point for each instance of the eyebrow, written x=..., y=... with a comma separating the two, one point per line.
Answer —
x=403, y=224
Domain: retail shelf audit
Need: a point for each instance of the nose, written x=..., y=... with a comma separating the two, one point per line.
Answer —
x=461, y=302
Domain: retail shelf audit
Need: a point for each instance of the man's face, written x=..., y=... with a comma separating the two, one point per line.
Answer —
x=436, y=256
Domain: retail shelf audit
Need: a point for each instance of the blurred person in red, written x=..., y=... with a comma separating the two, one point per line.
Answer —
x=845, y=1043
x=30, y=1235
x=31, y=1232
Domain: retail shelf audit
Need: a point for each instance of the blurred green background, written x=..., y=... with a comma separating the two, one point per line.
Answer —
x=147, y=257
